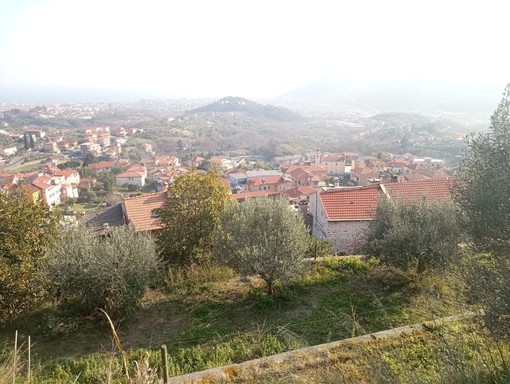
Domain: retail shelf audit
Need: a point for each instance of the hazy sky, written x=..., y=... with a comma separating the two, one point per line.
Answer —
x=248, y=48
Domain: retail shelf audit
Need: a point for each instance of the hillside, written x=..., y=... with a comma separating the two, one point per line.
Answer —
x=250, y=108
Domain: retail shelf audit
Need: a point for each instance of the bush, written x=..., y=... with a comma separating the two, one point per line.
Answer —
x=109, y=272
x=422, y=235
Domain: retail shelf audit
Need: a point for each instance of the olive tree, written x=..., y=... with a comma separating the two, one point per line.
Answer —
x=483, y=193
x=420, y=234
x=263, y=237
x=109, y=272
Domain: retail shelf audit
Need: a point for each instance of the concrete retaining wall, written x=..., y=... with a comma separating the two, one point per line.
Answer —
x=319, y=352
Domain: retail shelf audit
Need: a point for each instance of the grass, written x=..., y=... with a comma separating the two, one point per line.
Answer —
x=208, y=317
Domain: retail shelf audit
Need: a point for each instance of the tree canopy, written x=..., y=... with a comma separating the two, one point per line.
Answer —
x=263, y=237
x=422, y=235
x=190, y=216
x=483, y=193
x=483, y=182
x=27, y=228
x=109, y=272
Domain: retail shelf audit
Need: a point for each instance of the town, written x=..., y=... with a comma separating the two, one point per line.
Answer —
x=106, y=176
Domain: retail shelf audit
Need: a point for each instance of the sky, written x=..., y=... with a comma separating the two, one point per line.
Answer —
x=261, y=49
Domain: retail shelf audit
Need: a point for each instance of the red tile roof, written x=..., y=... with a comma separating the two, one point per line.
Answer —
x=295, y=193
x=267, y=180
x=360, y=203
x=430, y=189
x=350, y=203
x=131, y=174
x=139, y=211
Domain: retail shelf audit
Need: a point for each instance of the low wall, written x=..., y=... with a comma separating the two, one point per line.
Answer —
x=318, y=352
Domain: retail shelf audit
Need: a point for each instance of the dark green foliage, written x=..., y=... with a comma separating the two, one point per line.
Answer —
x=263, y=237
x=417, y=235
x=483, y=192
x=319, y=247
x=191, y=214
x=349, y=264
x=483, y=187
x=27, y=229
x=69, y=164
x=110, y=272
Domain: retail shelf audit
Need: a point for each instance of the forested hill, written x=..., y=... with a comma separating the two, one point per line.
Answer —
x=251, y=108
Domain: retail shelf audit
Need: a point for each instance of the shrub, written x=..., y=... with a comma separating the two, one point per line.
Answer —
x=422, y=235
x=109, y=272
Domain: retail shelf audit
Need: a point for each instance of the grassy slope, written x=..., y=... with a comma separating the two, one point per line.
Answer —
x=213, y=319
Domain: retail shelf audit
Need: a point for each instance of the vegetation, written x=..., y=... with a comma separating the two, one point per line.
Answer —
x=191, y=214
x=422, y=235
x=27, y=228
x=263, y=237
x=210, y=318
x=482, y=191
x=111, y=273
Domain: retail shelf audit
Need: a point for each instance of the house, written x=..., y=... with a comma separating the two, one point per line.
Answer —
x=268, y=183
x=306, y=175
x=106, y=219
x=143, y=212
x=428, y=163
x=33, y=192
x=102, y=166
x=51, y=147
x=9, y=151
x=134, y=176
x=49, y=188
x=342, y=215
x=195, y=161
x=299, y=193
x=364, y=176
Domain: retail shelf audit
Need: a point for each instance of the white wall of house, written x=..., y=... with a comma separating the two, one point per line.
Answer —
x=120, y=181
x=9, y=151
x=51, y=195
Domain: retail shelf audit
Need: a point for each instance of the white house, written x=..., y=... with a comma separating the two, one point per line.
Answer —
x=50, y=189
x=131, y=177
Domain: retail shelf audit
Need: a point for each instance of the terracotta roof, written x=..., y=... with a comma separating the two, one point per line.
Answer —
x=42, y=182
x=139, y=211
x=295, y=193
x=415, y=177
x=364, y=171
x=431, y=189
x=360, y=203
x=251, y=195
x=133, y=174
x=258, y=181
x=315, y=169
x=350, y=203
x=332, y=158
x=29, y=188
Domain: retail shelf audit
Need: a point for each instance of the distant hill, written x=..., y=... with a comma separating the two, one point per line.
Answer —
x=460, y=98
x=238, y=104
